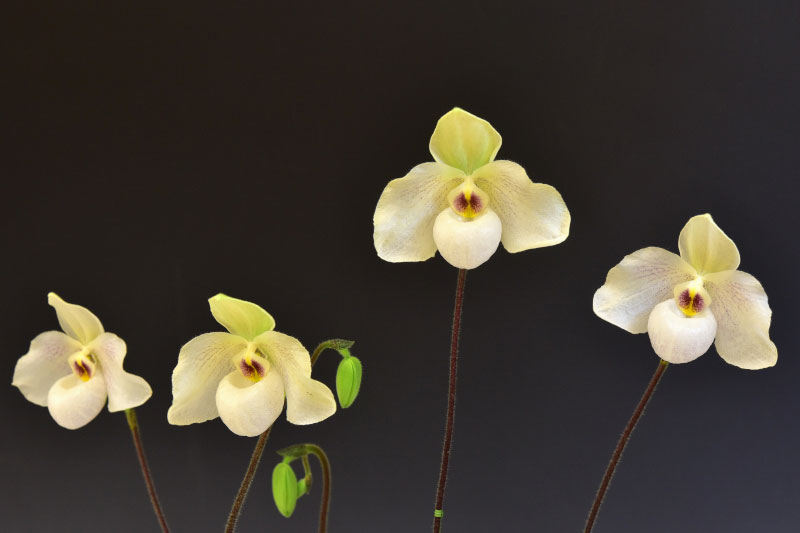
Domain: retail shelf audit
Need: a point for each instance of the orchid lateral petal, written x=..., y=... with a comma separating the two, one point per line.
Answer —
x=202, y=363
x=743, y=317
x=407, y=209
x=125, y=390
x=308, y=401
x=44, y=364
x=533, y=214
x=637, y=284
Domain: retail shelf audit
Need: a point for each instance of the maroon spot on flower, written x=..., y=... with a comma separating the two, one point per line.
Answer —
x=247, y=370
x=685, y=300
x=252, y=369
x=477, y=203
x=460, y=203
x=698, y=304
x=83, y=372
x=258, y=367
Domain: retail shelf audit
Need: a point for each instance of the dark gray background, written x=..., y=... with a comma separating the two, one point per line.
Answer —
x=154, y=156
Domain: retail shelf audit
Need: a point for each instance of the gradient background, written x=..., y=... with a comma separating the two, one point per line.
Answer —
x=156, y=155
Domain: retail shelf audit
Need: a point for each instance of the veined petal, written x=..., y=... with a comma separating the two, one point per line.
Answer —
x=76, y=321
x=44, y=364
x=202, y=363
x=124, y=390
x=634, y=287
x=307, y=401
x=533, y=214
x=240, y=317
x=73, y=403
x=677, y=338
x=407, y=209
x=467, y=243
x=464, y=141
x=743, y=316
x=248, y=408
x=706, y=247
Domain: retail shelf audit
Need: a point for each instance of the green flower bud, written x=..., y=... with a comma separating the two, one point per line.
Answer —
x=302, y=487
x=284, y=488
x=348, y=381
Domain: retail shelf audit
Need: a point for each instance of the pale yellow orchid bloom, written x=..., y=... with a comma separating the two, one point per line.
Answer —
x=72, y=373
x=687, y=302
x=243, y=376
x=466, y=203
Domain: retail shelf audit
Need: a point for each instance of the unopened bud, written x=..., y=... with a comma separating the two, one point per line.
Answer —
x=284, y=488
x=348, y=381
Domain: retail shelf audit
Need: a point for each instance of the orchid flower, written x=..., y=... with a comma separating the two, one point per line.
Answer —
x=687, y=302
x=465, y=203
x=244, y=375
x=72, y=373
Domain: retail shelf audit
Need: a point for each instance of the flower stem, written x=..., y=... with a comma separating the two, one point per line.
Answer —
x=133, y=424
x=326, y=485
x=340, y=345
x=451, y=401
x=623, y=441
x=233, y=517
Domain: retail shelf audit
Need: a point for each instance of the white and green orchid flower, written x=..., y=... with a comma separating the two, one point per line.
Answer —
x=243, y=376
x=72, y=373
x=465, y=203
x=686, y=302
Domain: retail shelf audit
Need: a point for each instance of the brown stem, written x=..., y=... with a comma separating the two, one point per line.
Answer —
x=326, y=485
x=340, y=345
x=133, y=423
x=230, y=527
x=318, y=351
x=451, y=400
x=623, y=440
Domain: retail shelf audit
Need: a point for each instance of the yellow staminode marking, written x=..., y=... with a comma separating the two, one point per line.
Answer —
x=468, y=200
x=688, y=302
x=255, y=373
x=691, y=297
x=252, y=365
x=82, y=365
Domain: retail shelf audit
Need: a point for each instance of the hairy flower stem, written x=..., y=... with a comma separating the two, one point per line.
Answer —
x=233, y=517
x=244, y=488
x=451, y=401
x=623, y=441
x=133, y=424
x=326, y=485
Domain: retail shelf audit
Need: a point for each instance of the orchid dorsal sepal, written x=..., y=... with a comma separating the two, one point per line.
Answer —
x=240, y=317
